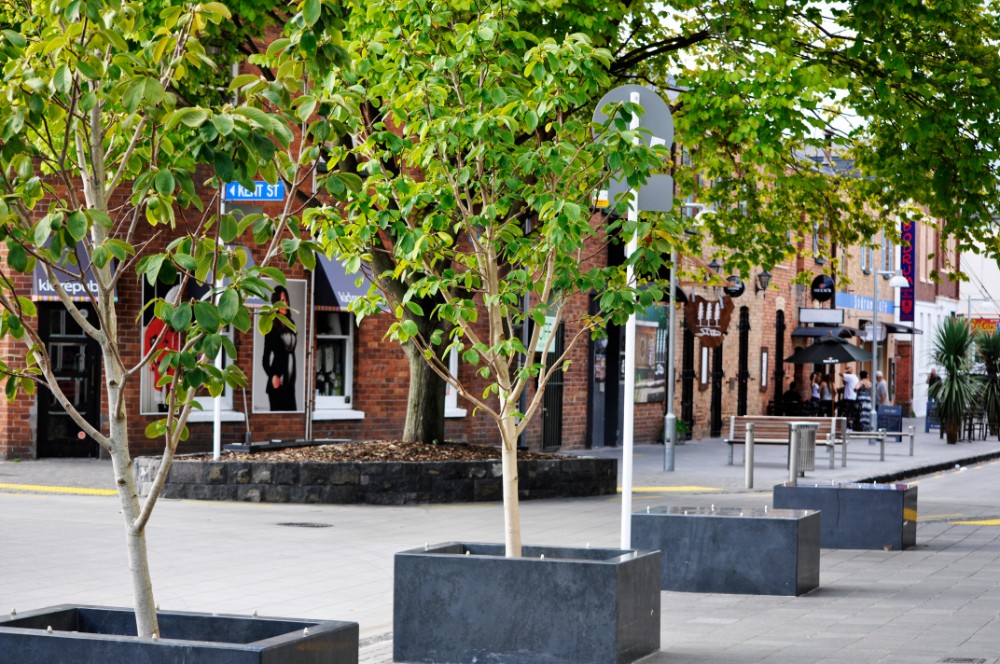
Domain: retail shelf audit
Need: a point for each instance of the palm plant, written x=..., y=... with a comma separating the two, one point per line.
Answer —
x=957, y=390
x=988, y=347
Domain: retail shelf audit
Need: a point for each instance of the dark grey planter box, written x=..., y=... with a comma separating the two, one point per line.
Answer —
x=94, y=634
x=857, y=516
x=730, y=550
x=458, y=603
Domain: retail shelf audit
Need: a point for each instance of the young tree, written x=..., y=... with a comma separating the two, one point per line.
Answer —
x=479, y=168
x=101, y=160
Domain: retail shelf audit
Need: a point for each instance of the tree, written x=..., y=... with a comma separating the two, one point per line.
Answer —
x=480, y=166
x=797, y=118
x=100, y=161
x=957, y=390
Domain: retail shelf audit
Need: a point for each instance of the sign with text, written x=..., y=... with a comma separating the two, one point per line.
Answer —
x=708, y=320
x=262, y=191
x=985, y=325
x=908, y=264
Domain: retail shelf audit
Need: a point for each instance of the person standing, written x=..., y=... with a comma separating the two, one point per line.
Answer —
x=863, y=398
x=850, y=408
x=279, y=356
x=881, y=390
x=826, y=396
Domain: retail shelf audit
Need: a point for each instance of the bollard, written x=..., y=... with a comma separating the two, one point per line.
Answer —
x=793, y=453
x=881, y=445
x=911, y=440
x=748, y=457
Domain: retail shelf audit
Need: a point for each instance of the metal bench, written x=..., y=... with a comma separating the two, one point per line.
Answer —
x=774, y=430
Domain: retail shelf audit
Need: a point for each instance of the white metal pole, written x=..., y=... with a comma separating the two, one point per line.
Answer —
x=874, y=406
x=628, y=419
x=670, y=420
x=217, y=401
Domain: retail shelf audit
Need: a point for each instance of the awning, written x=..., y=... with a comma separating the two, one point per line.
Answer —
x=335, y=289
x=43, y=290
x=818, y=331
x=892, y=328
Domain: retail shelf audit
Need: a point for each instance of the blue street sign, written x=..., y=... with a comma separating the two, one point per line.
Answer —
x=262, y=191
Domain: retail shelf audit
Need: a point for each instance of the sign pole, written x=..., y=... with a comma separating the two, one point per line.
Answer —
x=670, y=420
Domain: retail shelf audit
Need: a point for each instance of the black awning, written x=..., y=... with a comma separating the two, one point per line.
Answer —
x=817, y=331
x=892, y=328
x=335, y=289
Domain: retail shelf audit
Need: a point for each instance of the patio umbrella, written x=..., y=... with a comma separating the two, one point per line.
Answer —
x=831, y=350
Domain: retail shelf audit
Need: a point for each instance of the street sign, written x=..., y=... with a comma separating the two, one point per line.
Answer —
x=262, y=191
x=657, y=195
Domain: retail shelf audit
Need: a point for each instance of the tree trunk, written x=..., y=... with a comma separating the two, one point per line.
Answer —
x=135, y=540
x=128, y=494
x=511, y=506
x=951, y=430
x=425, y=400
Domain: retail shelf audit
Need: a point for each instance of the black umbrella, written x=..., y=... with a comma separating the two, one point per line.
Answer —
x=831, y=350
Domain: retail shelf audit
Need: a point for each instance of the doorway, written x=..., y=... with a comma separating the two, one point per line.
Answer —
x=76, y=364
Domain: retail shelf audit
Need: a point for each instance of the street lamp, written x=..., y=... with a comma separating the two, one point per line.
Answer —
x=897, y=281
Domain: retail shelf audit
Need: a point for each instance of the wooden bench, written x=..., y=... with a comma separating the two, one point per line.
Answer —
x=774, y=430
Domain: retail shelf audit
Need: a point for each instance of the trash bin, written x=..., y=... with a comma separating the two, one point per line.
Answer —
x=804, y=438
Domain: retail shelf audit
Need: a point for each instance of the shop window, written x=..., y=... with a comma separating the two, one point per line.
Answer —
x=151, y=398
x=451, y=408
x=334, y=359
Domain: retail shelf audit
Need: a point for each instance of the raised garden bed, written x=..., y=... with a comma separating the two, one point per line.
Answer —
x=258, y=478
x=70, y=634
x=465, y=603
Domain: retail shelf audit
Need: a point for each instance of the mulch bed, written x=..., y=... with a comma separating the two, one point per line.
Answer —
x=378, y=450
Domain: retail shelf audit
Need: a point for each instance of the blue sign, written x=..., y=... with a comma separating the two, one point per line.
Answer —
x=262, y=191
x=864, y=303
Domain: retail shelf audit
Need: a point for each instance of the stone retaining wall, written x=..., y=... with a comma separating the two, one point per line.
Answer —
x=383, y=483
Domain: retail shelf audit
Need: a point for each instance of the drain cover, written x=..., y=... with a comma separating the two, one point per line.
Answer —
x=963, y=660
x=305, y=524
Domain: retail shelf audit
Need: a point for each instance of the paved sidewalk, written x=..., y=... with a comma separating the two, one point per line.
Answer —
x=938, y=601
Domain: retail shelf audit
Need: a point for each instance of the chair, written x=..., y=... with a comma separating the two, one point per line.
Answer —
x=975, y=426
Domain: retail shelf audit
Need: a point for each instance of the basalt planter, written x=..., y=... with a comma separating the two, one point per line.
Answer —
x=93, y=634
x=733, y=550
x=378, y=483
x=857, y=516
x=458, y=603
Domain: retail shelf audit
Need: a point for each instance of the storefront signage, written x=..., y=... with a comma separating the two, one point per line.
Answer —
x=262, y=191
x=864, y=303
x=708, y=320
x=822, y=288
x=985, y=325
x=907, y=262
x=734, y=286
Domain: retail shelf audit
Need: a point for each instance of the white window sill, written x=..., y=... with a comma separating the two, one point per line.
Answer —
x=208, y=415
x=455, y=412
x=338, y=414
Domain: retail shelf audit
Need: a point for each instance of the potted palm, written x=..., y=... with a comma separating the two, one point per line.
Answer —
x=988, y=348
x=957, y=389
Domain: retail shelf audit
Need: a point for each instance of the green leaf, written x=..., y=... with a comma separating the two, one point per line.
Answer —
x=229, y=305
x=311, y=11
x=164, y=182
x=223, y=122
x=17, y=257
x=409, y=327
x=207, y=316
x=180, y=318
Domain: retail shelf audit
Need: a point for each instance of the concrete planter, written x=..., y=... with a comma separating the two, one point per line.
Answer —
x=857, y=516
x=732, y=550
x=384, y=483
x=92, y=634
x=460, y=603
